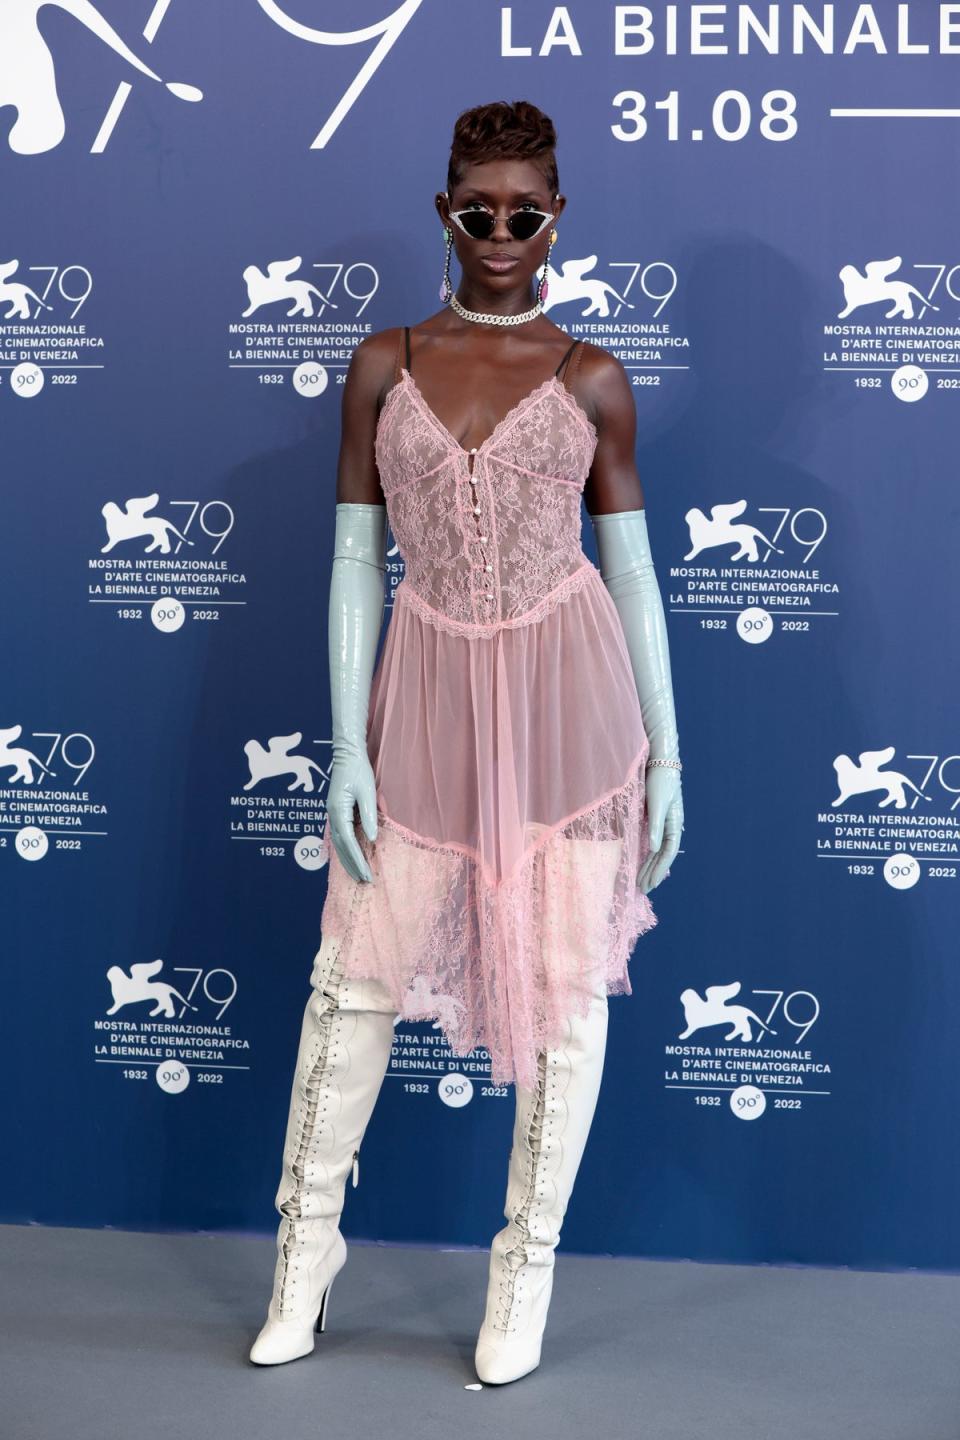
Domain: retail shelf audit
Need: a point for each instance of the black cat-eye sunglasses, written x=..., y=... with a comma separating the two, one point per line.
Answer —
x=479, y=224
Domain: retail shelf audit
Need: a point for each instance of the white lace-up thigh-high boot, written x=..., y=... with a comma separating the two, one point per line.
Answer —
x=549, y=1135
x=345, y=1045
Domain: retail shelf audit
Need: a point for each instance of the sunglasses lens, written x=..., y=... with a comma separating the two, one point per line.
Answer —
x=478, y=223
x=524, y=224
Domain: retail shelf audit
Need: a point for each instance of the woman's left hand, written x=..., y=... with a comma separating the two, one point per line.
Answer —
x=664, y=802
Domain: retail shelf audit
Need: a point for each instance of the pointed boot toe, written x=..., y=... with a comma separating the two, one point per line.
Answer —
x=497, y=1365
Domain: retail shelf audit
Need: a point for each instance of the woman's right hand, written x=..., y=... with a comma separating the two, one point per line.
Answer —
x=352, y=783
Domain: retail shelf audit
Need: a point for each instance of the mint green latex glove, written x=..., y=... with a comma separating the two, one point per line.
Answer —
x=357, y=598
x=626, y=566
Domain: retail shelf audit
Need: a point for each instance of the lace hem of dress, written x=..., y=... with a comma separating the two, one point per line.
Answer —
x=503, y=966
x=569, y=585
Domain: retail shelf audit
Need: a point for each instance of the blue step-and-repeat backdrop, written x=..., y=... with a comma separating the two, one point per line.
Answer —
x=204, y=209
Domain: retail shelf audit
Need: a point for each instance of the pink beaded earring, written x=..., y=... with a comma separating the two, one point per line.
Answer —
x=544, y=286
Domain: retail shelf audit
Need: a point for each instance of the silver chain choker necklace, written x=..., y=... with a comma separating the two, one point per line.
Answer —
x=482, y=317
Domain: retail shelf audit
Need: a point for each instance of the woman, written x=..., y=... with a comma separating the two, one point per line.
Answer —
x=513, y=755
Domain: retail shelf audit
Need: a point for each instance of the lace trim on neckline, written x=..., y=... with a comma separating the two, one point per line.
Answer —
x=506, y=422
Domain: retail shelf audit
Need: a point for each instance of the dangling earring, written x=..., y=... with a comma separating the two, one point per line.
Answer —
x=544, y=286
x=446, y=289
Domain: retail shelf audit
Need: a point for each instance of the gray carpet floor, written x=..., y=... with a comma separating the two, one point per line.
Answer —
x=110, y=1335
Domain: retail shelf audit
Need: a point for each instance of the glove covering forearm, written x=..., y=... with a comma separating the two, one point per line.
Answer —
x=357, y=598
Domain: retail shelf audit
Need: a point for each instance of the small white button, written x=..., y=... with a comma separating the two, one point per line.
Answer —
x=481, y=537
x=474, y=450
x=473, y=480
x=476, y=509
x=489, y=567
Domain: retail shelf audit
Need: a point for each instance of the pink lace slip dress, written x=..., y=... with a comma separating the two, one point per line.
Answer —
x=506, y=739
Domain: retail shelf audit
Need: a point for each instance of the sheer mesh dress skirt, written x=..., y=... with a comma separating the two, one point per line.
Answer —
x=511, y=826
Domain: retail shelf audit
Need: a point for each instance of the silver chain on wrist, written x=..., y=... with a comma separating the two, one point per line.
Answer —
x=674, y=763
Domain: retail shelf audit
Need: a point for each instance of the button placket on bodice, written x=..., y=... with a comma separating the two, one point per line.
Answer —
x=468, y=521
x=479, y=536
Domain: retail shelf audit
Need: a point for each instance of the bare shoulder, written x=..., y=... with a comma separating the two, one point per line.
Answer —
x=602, y=371
x=371, y=370
x=603, y=387
x=370, y=375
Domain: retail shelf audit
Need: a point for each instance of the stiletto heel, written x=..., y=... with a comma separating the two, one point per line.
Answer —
x=321, y=1324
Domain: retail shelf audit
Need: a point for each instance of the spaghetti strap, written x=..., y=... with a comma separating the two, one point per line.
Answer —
x=406, y=336
x=396, y=363
x=566, y=355
x=571, y=369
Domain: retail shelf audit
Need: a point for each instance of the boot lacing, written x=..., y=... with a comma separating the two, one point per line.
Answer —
x=534, y=1153
x=291, y=1206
